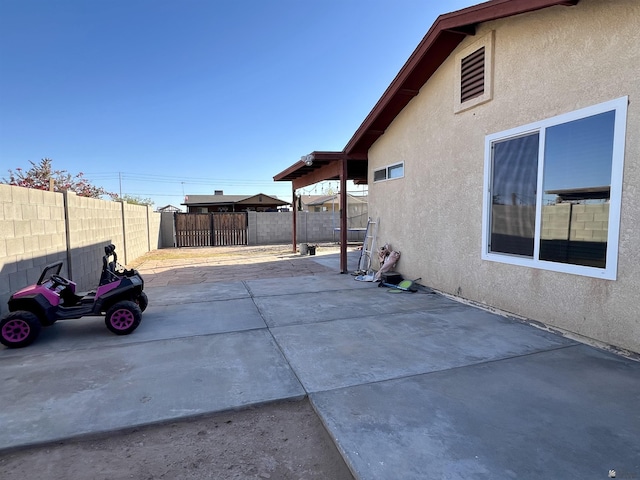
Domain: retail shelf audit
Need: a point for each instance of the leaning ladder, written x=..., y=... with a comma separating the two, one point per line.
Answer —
x=368, y=245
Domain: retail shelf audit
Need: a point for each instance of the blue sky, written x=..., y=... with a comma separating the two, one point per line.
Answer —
x=158, y=98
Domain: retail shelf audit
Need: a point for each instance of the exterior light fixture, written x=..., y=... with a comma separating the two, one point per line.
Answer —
x=307, y=159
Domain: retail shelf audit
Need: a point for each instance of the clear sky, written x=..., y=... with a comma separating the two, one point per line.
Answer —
x=162, y=98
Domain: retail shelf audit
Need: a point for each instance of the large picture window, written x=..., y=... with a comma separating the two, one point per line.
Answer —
x=553, y=191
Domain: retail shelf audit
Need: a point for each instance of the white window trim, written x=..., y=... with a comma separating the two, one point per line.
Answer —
x=386, y=170
x=617, y=165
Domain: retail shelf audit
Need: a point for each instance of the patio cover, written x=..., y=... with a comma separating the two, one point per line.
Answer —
x=319, y=166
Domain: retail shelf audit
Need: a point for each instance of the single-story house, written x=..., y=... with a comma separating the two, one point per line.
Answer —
x=356, y=204
x=169, y=209
x=511, y=138
x=357, y=212
x=219, y=202
x=318, y=203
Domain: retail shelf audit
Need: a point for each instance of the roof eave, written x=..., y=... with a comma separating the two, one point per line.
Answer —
x=300, y=168
x=440, y=41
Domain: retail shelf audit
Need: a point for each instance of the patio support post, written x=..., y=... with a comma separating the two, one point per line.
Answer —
x=343, y=215
x=294, y=204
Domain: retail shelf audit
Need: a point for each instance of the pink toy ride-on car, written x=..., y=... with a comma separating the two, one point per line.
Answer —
x=119, y=297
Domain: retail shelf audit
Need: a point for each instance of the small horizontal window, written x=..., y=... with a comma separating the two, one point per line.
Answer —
x=389, y=173
x=380, y=175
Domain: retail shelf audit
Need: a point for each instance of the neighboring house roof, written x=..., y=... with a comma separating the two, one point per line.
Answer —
x=317, y=200
x=314, y=199
x=589, y=193
x=169, y=208
x=440, y=41
x=202, y=200
x=322, y=200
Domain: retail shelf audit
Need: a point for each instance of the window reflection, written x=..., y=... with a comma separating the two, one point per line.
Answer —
x=396, y=171
x=513, y=209
x=577, y=186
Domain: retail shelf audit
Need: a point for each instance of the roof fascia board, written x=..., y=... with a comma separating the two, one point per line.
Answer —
x=442, y=38
x=266, y=199
x=395, y=89
x=317, y=155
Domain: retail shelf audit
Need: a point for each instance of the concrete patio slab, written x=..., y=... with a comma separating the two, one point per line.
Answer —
x=190, y=293
x=409, y=385
x=64, y=394
x=339, y=353
x=236, y=272
x=339, y=302
x=158, y=323
x=567, y=413
x=266, y=287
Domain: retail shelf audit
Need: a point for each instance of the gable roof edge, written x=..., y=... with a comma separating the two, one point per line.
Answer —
x=446, y=33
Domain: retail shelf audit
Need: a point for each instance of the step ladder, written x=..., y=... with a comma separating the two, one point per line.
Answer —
x=368, y=246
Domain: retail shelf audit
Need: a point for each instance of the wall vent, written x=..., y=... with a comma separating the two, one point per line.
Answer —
x=472, y=75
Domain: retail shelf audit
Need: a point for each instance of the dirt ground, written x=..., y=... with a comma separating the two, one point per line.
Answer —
x=284, y=441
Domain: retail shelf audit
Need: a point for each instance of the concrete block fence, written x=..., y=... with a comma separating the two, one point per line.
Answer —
x=269, y=228
x=276, y=227
x=312, y=227
x=39, y=227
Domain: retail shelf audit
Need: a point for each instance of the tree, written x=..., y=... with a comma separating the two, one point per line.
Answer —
x=40, y=175
x=134, y=200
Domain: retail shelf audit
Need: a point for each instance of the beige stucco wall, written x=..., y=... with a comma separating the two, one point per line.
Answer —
x=546, y=63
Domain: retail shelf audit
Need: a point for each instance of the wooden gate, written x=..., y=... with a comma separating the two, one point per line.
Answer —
x=211, y=229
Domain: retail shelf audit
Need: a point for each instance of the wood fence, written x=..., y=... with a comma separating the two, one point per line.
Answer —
x=211, y=229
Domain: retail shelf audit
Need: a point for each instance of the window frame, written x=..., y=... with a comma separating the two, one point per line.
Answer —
x=387, y=171
x=619, y=105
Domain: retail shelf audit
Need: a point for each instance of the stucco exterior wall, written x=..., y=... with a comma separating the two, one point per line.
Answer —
x=546, y=63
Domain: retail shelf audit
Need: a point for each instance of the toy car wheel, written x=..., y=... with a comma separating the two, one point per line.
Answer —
x=123, y=317
x=19, y=329
x=142, y=301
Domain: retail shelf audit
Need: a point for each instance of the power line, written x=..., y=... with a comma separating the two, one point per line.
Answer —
x=154, y=178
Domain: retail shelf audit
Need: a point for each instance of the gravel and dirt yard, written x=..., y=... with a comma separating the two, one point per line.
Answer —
x=283, y=440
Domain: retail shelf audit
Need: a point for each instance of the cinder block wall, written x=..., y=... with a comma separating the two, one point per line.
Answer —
x=276, y=227
x=32, y=234
x=39, y=227
x=575, y=222
x=317, y=226
x=92, y=225
x=136, y=224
